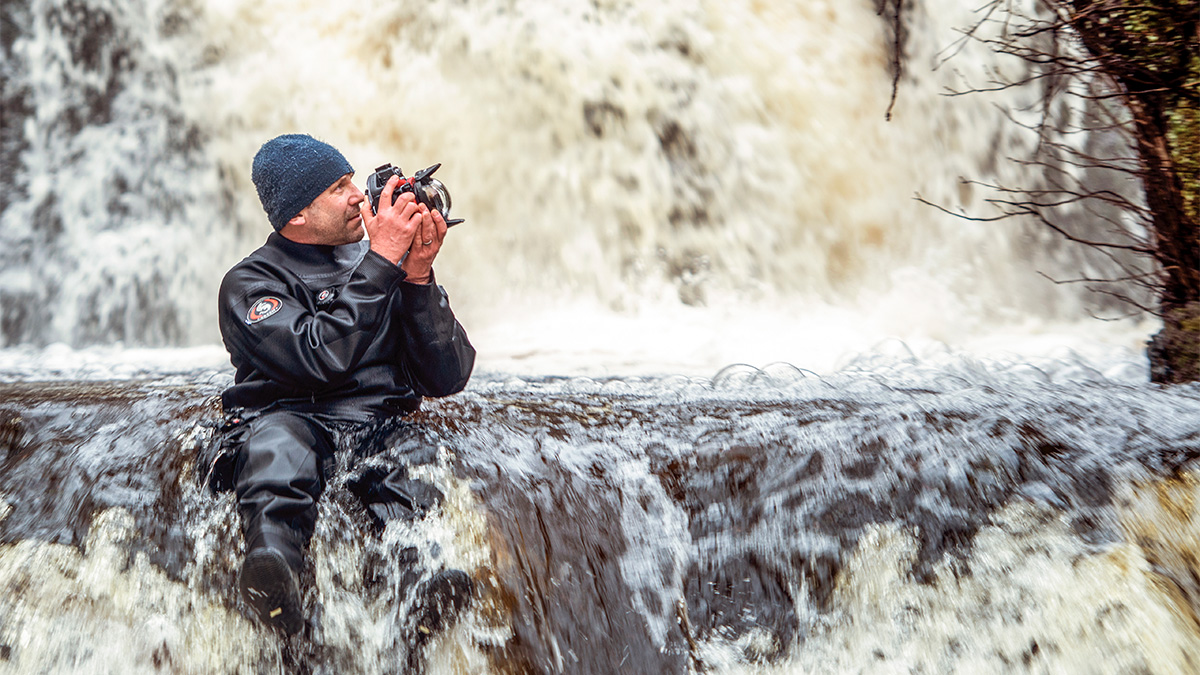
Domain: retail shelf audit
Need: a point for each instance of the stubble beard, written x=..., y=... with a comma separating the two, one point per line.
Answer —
x=359, y=231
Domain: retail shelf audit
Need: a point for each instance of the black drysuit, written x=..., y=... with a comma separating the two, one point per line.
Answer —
x=322, y=336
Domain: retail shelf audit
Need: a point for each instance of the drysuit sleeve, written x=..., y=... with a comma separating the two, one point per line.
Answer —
x=271, y=327
x=437, y=358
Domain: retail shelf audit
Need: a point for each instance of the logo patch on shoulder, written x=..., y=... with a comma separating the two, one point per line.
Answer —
x=263, y=308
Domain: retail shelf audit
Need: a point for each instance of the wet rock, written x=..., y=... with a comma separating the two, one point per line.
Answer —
x=12, y=433
x=739, y=597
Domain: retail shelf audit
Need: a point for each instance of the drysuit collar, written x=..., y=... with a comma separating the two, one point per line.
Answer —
x=318, y=255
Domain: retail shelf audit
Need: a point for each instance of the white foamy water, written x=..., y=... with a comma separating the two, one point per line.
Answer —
x=648, y=187
x=1044, y=605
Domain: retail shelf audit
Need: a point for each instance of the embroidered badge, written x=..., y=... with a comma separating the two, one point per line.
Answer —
x=263, y=308
x=326, y=296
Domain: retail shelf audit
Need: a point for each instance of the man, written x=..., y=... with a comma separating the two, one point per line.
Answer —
x=326, y=330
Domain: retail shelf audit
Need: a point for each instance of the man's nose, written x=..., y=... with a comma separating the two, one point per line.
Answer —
x=356, y=196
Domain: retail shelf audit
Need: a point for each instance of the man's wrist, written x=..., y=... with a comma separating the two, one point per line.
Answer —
x=421, y=279
x=388, y=254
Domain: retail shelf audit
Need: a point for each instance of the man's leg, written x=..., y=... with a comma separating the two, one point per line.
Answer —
x=277, y=481
x=383, y=486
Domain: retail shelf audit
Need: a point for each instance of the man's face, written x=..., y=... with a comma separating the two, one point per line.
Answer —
x=332, y=218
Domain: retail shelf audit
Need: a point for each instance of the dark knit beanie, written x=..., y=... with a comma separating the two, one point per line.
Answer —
x=292, y=170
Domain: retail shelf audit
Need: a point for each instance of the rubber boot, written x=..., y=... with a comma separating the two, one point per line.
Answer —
x=439, y=602
x=389, y=494
x=269, y=581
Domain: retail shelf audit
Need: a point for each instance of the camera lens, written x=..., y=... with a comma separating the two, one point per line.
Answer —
x=437, y=196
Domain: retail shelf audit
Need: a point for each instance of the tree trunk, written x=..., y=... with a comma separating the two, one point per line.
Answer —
x=1115, y=33
x=1174, y=351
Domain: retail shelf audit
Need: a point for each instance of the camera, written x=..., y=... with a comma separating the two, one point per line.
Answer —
x=428, y=190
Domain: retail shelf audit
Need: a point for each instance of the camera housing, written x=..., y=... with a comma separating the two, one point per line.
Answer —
x=428, y=190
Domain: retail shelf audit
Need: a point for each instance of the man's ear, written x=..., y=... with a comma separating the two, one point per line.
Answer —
x=297, y=219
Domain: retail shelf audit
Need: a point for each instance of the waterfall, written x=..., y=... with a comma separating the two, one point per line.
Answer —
x=708, y=173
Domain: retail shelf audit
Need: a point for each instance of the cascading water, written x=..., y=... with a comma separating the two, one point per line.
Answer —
x=901, y=516
x=653, y=191
x=627, y=169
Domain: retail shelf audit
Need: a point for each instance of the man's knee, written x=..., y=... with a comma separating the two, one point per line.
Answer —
x=280, y=445
x=278, y=476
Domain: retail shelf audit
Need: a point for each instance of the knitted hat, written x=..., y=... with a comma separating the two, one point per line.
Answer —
x=292, y=170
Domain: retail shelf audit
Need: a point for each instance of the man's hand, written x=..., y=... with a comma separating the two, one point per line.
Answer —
x=405, y=226
x=425, y=246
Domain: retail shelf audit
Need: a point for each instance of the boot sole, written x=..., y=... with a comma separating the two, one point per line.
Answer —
x=440, y=601
x=269, y=587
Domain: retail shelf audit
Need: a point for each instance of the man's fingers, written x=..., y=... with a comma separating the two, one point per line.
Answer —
x=418, y=224
x=412, y=216
x=385, y=197
x=407, y=207
x=368, y=218
x=428, y=228
x=439, y=224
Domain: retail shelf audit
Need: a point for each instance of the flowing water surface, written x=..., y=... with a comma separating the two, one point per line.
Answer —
x=898, y=516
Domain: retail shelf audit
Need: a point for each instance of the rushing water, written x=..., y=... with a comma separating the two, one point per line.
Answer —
x=649, y=187
x=900, y=516
x=653, y=191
